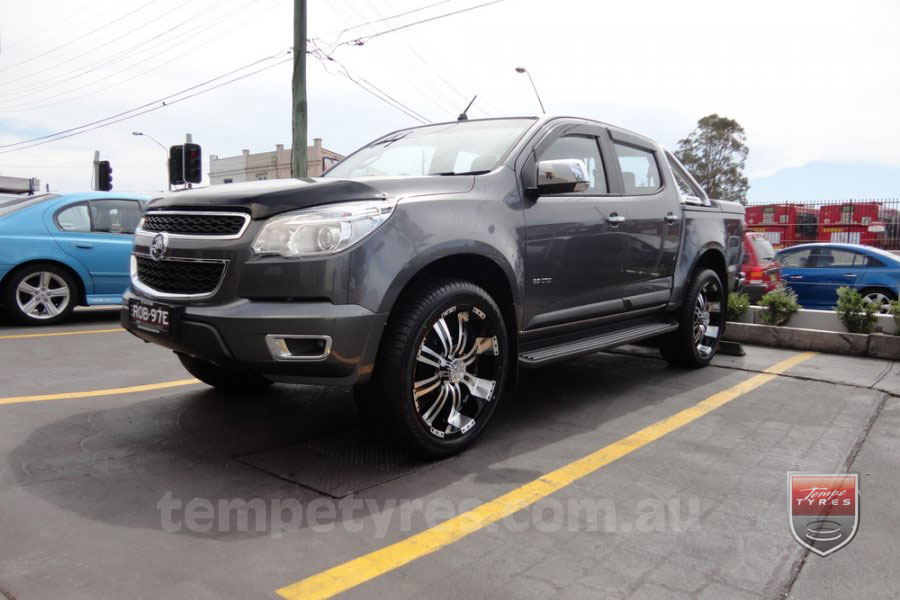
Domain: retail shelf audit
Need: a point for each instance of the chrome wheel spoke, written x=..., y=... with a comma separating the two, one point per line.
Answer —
x=45, y=279
x=50, y=308
x=430, y=357
x=30, y=306
x=481, y=345
x=420, y=388
x=436, y=407
x=60, y=292
x=463, y=321
x=453, y=418
x=443, y=334
x=25, y=288
x=482, y=388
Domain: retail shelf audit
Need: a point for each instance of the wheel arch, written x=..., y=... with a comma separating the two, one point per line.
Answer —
x=76, y=276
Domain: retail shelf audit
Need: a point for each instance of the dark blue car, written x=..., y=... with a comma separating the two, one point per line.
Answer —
x=816, y=271
x=60, y=251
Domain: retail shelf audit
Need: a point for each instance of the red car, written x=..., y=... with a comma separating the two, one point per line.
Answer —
x=762, y=273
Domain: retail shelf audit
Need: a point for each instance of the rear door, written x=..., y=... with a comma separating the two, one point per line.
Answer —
x=654, y=218
x=833, y=268
x=99, y=234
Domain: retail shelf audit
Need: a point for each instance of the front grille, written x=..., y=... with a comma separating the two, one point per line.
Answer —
x=195, y=224
x=179, y=277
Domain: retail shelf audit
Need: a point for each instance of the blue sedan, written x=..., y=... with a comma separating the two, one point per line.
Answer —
x=60, y=251
x=816, y=271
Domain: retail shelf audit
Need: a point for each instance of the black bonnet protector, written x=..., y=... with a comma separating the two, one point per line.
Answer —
x=266, y=198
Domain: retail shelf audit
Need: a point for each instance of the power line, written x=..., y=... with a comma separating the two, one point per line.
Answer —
x=93, y=31
x=163, y=102
x=322, y=57
x=395, y=16
x=31, y=106
x=363, y=39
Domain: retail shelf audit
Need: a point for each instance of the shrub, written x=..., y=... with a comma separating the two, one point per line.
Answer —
x=737, y=305
x=857, y=315
x=895, y=310
x=779, y=305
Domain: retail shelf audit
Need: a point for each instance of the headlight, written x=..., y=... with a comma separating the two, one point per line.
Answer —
x=322, y=230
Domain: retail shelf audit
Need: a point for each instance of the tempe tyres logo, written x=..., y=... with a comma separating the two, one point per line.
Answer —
x=823, y=510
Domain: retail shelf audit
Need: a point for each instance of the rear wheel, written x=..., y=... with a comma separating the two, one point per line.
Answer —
x=221, y=378
x=440, y=369
x=701, y=320
x=40, y=294
x=880, y=298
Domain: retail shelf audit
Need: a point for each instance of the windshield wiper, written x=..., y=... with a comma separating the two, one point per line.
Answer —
x=482, y=172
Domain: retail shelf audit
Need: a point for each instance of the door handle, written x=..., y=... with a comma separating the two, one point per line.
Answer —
x=614, y=219
x=86, y=245
x=850, y=275
x=795, y=277
x=671, y=217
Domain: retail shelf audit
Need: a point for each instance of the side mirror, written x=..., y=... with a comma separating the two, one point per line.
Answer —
x=562, y=176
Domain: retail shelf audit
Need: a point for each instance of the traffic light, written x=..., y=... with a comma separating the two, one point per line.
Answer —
x=193, y=170
x=176, y=165
x=103, y=176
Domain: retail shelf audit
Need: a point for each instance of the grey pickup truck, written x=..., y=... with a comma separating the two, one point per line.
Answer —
x=431, y=265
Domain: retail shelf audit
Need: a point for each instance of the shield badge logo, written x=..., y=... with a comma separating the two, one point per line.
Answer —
x=823, y=510
x=158, y=246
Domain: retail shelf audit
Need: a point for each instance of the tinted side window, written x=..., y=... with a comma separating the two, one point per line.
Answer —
x=794, y=258
x=74, y=218
x=115, y=216
x=581, y=147
x=639, y=169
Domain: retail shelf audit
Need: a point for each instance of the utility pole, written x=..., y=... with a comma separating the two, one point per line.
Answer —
x=298, y=147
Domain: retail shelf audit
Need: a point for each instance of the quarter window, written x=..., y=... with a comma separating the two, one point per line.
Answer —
x=580, y=147
x=639, y=169
x=795, y=258
x=74, y=218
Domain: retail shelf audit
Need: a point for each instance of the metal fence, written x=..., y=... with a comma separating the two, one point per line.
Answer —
x=869, y=222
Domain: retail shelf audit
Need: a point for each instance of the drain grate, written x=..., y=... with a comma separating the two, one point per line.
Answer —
x=336, y=465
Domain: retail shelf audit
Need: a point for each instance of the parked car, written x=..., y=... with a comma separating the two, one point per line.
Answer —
x=431, y=264
x=60, y=251
x=762, y=273
x=816, y=271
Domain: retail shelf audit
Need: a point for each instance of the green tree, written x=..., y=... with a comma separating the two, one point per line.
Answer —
x=715, y=153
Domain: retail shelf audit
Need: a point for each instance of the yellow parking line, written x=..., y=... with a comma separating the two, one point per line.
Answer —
x=22, y=336
x=354, y=572
x=107, y=392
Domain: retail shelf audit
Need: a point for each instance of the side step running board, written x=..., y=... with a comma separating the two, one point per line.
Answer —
x=604, y=341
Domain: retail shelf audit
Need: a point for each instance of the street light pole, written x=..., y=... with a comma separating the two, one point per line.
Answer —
x=534, y=87
x=166, y=150
x=298, y=87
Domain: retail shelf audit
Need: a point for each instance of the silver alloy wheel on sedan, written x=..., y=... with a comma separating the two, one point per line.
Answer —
x=881, y=301
x=42, y=295
x=707, y=321
x=456, y=371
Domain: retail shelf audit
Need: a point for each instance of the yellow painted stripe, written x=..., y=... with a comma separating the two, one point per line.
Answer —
x=22, y=336
x=93, y=393
x=352, y=573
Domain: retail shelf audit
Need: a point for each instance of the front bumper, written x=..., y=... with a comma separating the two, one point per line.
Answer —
x=234, y=335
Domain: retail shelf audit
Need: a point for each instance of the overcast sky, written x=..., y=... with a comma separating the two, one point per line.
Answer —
x=809, y=81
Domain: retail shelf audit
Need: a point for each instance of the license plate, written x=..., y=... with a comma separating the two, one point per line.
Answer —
x=151, y=316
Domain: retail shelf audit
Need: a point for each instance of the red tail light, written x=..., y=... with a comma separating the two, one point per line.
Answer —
x=755, y=276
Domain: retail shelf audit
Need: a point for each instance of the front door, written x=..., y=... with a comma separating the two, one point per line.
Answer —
x=575, y=242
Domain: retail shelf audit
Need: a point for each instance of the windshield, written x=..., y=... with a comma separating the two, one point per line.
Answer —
x=10, y=204
x=461, y=148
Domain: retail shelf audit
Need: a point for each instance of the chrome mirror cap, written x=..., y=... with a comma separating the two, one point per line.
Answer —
x=562, y=176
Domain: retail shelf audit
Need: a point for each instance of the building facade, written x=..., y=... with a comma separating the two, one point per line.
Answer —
x=268, y=165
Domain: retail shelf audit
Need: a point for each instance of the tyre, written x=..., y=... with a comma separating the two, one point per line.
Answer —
x=221, y=378
x=40, y=294
x=701, y=320
x=880, y=297
x=440, y=369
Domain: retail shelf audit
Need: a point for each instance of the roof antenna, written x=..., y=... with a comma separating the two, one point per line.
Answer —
x=462, y=116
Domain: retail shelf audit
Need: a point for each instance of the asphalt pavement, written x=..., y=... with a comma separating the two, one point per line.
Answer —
x=610, y=476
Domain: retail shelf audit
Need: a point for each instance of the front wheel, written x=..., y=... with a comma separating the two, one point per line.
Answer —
x=701, y=319
x=440, y=369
